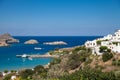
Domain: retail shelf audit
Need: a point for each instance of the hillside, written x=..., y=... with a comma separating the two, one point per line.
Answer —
x=76, y=63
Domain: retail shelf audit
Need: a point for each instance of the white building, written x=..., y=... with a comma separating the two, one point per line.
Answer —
x=91, y=43
x=106, y=41
x=13, y=77
x=108, y=37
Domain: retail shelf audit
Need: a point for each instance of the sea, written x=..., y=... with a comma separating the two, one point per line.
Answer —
x=9, y=61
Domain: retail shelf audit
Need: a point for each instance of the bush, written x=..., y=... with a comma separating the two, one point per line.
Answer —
x=5, y=71
x=117, y=75
x=65, y=52
x=78, y=49
x=13, y=71
x=7, y=77
x=106, y=56
x=116, y=62
x=103, y=48
x=98, y=42
x=74, y=61
x=116, y=43
x=89, y=74
x=39, y=68
x=108, y=50
x=25, y=74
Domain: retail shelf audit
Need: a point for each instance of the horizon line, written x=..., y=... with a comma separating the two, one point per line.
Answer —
x=54, y=35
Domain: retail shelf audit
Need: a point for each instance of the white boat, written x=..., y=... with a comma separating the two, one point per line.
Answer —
x=24, y=56
x=37, y=48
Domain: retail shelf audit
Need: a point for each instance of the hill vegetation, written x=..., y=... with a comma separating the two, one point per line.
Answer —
x=76, y=63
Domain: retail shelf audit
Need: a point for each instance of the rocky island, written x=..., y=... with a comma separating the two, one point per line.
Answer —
x=55, y=43
x=6, y=39
x=31, y=41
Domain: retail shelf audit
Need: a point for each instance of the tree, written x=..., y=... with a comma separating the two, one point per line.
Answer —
x=108, y=50
x=5, y=71
x=98, y=42
x=103, y=48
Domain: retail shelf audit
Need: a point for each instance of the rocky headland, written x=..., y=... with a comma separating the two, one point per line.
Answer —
x=6, y=39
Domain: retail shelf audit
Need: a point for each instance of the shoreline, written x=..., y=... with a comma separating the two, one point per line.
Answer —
x=20, y=62
x=46, y=55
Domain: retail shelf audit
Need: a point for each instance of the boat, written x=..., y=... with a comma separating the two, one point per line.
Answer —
x=24, y=56
x=37, y=48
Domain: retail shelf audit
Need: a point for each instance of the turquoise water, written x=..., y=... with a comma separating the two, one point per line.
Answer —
x=9, y=61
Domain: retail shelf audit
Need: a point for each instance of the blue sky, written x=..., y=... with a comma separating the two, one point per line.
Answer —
x=59, y=17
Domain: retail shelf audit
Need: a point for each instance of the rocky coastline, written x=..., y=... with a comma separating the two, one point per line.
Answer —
x=6, y=39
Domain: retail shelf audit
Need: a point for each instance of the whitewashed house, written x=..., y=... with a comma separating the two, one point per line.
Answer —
x=91, y=43
x=13, y=77
x=106, y=41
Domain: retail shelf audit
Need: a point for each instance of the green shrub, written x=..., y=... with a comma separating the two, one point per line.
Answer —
x=116, y=62
x=88, y=61
x=25, y=74
x=103, y=48
x=74, y=61
x=98, y=42
x=106, y=56
x=108, y=50
x=5, y=71
x=78, y=49
x=89, y=74
x=117, y=75
x=7, y=77
x=13, y=71
x=65, y=52
x=39, y=69
x=116, y=43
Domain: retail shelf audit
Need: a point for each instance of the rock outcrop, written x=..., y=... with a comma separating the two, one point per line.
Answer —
x=32, y=41
x=3, y=43
x=6, y=38
x=55, y=43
